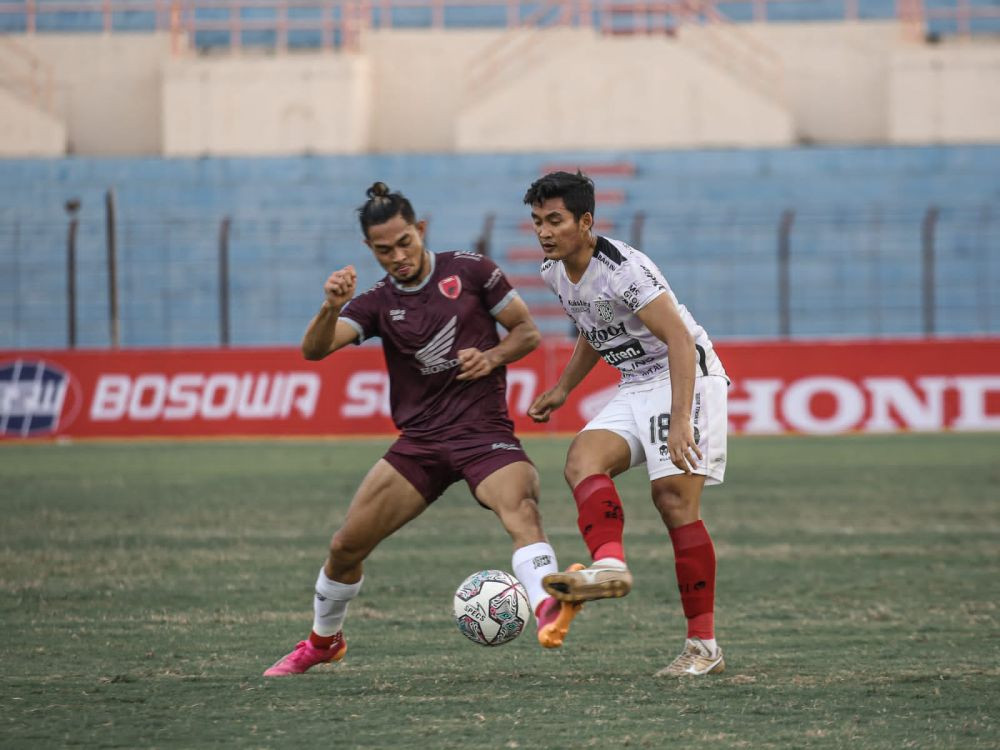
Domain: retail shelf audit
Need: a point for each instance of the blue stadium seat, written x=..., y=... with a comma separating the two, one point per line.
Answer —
x=711, y=223
x=262, y=23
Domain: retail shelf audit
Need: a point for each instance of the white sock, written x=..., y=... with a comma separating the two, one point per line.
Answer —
x=710, y=643
x=531, y=564
x=330, y=603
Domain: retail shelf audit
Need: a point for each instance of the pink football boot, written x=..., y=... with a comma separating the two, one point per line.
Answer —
x=306, y=656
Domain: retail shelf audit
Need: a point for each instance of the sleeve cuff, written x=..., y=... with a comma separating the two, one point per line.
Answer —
x=508, y=298
x=656, y=293
x=353, y=324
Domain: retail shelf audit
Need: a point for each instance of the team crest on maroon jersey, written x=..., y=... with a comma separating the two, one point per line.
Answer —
x=605, y=310
x=450, y=287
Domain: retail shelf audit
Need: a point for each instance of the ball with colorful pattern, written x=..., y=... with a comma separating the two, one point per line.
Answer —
x=491, y=608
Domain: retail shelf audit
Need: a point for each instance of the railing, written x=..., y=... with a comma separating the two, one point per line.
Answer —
x=276, y=24
x=922, y=270
x=807, y=270
x=329, y=24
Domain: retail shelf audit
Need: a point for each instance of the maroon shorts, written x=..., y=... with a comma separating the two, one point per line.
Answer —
x=434, y=465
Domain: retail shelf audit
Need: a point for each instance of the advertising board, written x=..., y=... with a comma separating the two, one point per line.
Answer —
x=822, y=387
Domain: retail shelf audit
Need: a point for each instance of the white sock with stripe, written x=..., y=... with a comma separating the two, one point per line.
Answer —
x=531, y=564
x=330, y=603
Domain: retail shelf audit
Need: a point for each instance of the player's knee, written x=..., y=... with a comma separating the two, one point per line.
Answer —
x=675, y=508
x=345, y=552
x=593, y=453
x=578, y=467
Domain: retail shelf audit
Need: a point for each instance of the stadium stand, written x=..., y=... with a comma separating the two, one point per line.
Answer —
x=308, y=24
x=856, y=220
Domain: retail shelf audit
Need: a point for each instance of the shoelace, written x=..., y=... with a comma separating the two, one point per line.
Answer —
x=688, y=658
x=684, y=660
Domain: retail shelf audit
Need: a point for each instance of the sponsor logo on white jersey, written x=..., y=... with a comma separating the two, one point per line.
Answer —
x=434, y=356
x=601, y=257
x=599, y=336
x=631, y=297
x=631, y=349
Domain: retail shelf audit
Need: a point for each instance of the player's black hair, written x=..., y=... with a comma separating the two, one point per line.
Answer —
x=576, y=190
x=382, y=205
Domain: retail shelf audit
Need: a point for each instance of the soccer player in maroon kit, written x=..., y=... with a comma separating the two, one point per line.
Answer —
x=436, y=314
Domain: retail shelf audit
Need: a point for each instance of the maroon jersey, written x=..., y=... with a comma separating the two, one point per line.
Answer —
x=422, y=330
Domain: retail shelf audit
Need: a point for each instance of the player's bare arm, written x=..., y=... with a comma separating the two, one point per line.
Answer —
x=326, y=333
x=663, y=320
x=581, y=362
x=522, y=338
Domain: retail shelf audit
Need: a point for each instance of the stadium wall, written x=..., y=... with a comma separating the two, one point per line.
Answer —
x=847, y=83
x=27, y=130
x=231, y=105
x=417, y=96
x=644, y=92
x=106, y=90
x=836, y=77
x=945, y=95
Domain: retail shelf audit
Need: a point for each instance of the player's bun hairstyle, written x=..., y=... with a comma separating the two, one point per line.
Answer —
x=382, y=205
x=576, y=190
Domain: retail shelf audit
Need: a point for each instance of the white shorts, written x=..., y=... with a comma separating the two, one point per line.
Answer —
x=641, y=415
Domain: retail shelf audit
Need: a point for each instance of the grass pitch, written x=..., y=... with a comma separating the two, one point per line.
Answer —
x=145, y=587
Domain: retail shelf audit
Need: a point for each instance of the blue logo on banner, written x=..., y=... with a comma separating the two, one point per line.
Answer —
x=32, y=395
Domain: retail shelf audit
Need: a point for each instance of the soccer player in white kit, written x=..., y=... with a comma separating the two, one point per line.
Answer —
x=669, y=412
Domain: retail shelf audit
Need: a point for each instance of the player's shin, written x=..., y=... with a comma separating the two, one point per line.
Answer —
x=694, y=561
x=601, y=518
x=330, y=608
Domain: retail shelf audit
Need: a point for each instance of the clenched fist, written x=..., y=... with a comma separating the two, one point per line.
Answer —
x=339, y=287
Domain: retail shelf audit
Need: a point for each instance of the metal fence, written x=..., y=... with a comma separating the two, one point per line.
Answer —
x=339, y=24
x=105, y=281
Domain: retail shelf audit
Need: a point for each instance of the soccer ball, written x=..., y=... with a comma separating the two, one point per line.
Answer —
x=491, y=608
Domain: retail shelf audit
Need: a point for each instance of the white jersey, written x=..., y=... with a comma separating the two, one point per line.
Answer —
x=618, y=283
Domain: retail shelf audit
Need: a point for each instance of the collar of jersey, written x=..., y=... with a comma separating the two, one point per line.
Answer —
x=425, y=282
x=591, y=262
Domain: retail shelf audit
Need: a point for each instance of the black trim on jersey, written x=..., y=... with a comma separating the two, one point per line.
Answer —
x=605, y=248
x=701, y=359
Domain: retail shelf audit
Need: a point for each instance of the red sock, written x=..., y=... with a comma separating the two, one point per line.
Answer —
x=546, y=611
x=322, y=641
x=694, y=561
x=600, y=517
